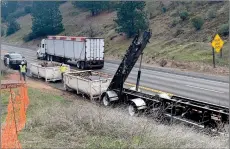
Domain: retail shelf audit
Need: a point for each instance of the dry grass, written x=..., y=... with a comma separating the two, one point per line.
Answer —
x=64, y=122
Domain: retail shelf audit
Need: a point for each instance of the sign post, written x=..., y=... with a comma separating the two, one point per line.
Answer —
x=213, y=58
x=217, y=44
x=221, y=53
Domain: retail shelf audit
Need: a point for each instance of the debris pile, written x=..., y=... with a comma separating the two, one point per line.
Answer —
x=49, y=64
x=89, y=75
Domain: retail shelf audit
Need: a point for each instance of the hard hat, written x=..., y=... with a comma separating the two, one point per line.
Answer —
x=22, y=62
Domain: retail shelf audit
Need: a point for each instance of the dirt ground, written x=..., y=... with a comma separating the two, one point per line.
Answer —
x=31, y=83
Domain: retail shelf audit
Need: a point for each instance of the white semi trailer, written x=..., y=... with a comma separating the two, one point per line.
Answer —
x=85, y=51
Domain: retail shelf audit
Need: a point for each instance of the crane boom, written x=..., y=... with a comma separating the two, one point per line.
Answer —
x=129, y=60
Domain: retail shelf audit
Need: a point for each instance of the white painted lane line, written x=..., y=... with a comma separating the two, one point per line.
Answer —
x=205, y=89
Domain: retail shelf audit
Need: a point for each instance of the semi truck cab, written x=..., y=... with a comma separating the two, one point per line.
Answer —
x=41, y=50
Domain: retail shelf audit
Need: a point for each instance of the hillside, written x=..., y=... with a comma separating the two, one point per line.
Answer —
x=173, y=40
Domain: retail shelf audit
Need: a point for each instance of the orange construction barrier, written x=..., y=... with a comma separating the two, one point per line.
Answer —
x=16, y=114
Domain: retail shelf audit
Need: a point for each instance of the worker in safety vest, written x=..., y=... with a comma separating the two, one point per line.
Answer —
x=23, y=71
x=63, y=69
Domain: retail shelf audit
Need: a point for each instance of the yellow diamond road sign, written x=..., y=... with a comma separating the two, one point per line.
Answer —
x=217, y=43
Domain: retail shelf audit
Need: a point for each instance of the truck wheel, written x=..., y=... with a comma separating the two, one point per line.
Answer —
x=82, y=65
x=106, y=101
x=100, y=67
x=78, y=65
x=133, y=111
x=47, y=58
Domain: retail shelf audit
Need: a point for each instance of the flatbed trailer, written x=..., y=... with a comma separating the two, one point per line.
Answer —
x=202, y=114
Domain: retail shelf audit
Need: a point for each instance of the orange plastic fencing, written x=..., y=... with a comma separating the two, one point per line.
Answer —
x=15, y=119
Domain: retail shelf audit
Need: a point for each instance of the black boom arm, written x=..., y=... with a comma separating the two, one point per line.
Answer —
x=129, y=60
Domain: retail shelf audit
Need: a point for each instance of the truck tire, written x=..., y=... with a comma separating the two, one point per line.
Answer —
x=100, y=67
x=78, y=65
x=47, y=57
x=133, y=111
x=105, y=100
x=82, y=65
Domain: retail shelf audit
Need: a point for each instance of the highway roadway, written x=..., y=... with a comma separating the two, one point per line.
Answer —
x=202, y=89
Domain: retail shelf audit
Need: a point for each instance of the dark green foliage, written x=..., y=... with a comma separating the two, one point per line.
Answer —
x=131, y=17
x=197, y=22
x=183, y=15
x=223, y=29
x=164, y=9
x=46, y=19
x=8, y=7
x=12, y=27
x=95, y=7
x=61, y=2
x=15, y=15
x=27, y=9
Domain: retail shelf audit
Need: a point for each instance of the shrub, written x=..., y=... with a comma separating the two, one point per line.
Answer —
x=27, y=9
x=197, y=22
x=13, y=27
x=211, y=14
x=184, y=15
x=163, y=9
x=223, y=29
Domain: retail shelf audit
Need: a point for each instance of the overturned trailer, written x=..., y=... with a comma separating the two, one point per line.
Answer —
x=50, y=71
x=90, y=83
x=190, y=111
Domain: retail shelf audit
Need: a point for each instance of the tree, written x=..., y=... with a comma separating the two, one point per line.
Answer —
x=223, y=29
x=12, y=27
x=95, y=7
x=131, y=17
x=7, y=8
x=197, y=22
x=27, y=9
x=46, y=19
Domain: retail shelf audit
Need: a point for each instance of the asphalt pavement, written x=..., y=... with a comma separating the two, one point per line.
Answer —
x=203, y=88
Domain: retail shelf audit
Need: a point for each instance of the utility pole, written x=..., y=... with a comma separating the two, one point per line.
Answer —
x=139, y=74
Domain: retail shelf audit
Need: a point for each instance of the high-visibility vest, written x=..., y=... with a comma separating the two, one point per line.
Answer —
x=23, y=68
x=63, y=68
